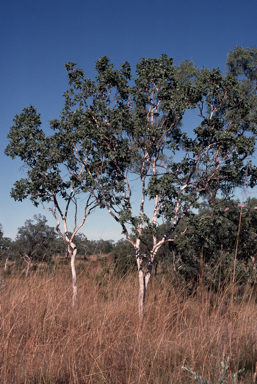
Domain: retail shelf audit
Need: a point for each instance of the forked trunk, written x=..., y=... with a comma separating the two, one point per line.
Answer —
x=28, y=267
x=143, y=283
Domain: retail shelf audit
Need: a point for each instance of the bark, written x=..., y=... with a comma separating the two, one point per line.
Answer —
x=141, y=294
x=28, y=267
x=73, y=253
x=6, y=263
x=149, y=270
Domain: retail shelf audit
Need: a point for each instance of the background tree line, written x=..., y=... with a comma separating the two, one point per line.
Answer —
x=37, y=243
x=205, y=250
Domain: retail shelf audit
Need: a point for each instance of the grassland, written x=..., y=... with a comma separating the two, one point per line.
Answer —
x=42, y=340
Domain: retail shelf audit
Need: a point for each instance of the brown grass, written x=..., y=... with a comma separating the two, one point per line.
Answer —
x=44, y=341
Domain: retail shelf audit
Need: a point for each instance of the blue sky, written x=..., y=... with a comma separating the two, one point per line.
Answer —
x=38, y=37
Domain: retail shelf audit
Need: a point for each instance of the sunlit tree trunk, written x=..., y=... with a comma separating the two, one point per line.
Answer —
x=73, y=252
x=141, y=280
x=6, y=263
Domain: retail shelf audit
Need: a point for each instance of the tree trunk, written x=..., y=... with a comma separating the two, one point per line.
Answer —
x=73, y=253
x=141, y=295
x=149, y=268
x=28, y=267
x=141, y=279
x=6, y=263
x=143, y=282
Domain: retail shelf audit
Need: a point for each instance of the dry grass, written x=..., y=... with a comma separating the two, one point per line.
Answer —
x=44, y=341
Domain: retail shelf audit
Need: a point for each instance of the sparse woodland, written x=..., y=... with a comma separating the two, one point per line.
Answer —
x=179, y=290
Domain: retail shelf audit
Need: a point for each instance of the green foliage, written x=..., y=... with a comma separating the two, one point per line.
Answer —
x=35, y=241
x=123, y=258
x=207, y=248
x=5, y=243
x=86, y=247
x=115, y=129
x=28, y=142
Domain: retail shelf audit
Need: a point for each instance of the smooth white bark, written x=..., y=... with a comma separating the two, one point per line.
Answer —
x=141, y=295
x=149, y=270
x=6, y=263
x=141, y=280
x=73, y=274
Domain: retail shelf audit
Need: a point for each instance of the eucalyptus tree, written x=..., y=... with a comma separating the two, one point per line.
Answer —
x=117, y=129
x=139, y=122
x=46, y=182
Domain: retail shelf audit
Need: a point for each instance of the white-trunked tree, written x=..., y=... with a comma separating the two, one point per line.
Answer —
x=79, y=146
x=46, y=183
x=140, y=126
x=112, y=131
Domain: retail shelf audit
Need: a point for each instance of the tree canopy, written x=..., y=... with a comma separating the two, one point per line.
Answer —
x=116, y=129
x=35, y=241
